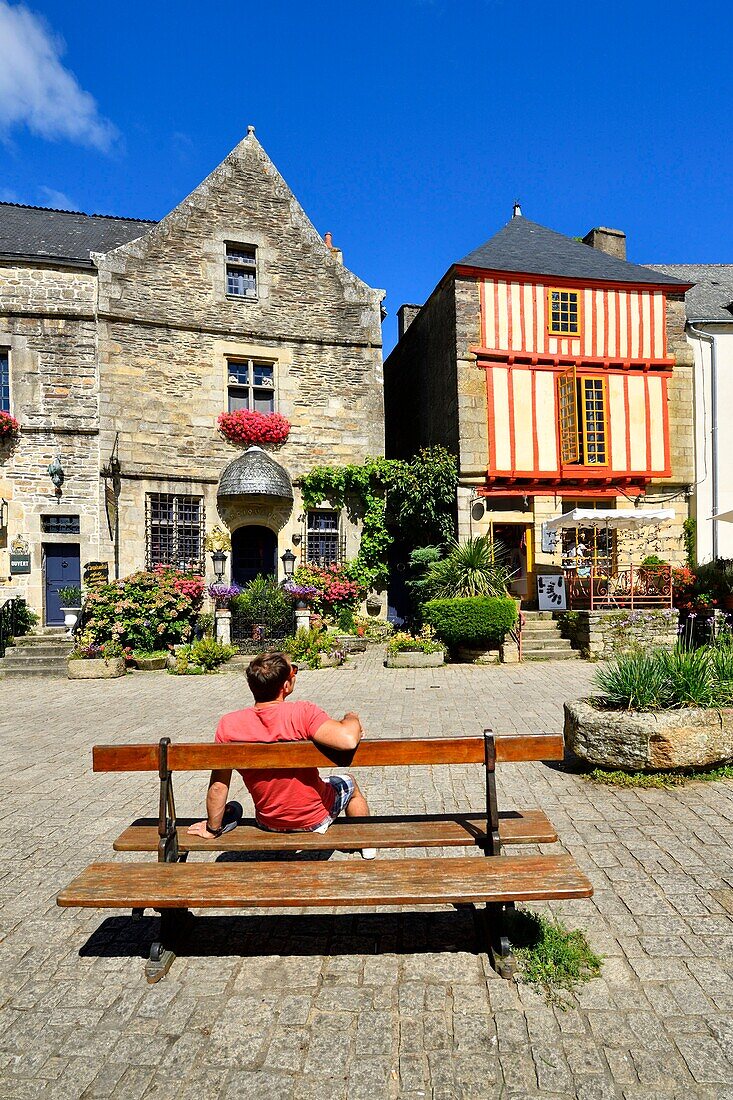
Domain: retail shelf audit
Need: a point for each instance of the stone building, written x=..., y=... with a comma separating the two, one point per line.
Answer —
x=121, y=342
x=560, y=376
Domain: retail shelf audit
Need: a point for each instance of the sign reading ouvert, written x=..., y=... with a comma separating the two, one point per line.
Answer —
x=20, y=557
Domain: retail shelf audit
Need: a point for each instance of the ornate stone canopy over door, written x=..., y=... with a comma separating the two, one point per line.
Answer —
x=255, y=489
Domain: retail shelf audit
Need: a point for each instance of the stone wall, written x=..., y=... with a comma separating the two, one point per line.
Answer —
x=420, y=384
x=601, y=635
x=47, y=326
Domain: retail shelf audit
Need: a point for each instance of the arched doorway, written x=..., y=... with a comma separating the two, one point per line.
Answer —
x=254, y=550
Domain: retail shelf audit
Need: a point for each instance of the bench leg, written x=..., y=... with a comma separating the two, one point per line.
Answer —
x=499, y=947
x=162, y=953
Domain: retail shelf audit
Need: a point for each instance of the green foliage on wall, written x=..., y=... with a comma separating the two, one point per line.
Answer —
x=689, y=535
x=415, y=499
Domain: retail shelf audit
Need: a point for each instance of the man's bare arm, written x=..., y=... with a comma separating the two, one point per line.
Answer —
x=345, y=734
x=216, y=800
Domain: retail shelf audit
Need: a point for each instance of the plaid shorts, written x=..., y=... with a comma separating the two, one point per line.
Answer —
x=343, y=786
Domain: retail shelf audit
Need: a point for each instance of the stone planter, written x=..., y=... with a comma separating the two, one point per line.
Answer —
x=327, y=661
x=350, y=643
x=477, y=656
x=71, y=615
x=649, y=740
x=407, y=659
x=151, y=664
x=96, y=669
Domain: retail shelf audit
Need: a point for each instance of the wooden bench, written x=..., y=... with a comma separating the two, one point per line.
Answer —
x=173, y=886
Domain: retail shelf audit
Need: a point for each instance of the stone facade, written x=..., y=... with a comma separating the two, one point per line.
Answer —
x=601, y=635
x=131, y=358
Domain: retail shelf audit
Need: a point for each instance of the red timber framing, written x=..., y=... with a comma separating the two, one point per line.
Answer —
x=622, y=340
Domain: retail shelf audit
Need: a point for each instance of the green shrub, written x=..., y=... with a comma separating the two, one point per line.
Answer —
x=264, y=601
x=25, y=619
x=306, y=647
x=206, y=655
x=666, y=679
x=471, y=621
x=477, y=567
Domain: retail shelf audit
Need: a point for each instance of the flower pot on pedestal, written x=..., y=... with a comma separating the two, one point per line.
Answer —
x=71, y=616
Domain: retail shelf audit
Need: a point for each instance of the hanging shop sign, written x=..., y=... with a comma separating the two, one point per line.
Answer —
x=551, y=592
x=20, y=556
x=96, y=572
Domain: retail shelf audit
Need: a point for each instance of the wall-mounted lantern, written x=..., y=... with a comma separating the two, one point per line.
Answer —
x=288, y=560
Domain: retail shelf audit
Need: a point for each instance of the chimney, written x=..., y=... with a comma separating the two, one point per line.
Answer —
x=335, y=252
x=611, y=241
x=405, y=316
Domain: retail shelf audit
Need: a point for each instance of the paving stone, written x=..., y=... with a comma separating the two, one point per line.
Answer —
x=392, y=1004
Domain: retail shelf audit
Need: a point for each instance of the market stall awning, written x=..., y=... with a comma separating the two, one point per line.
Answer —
x=612, y=519
x=727, y=517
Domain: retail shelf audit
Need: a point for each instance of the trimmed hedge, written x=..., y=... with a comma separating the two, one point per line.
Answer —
x=471, y=620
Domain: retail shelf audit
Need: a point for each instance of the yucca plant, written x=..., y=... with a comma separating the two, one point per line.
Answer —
x=477, y=567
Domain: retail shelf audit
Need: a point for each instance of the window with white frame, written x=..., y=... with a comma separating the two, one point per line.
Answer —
x=251, y=385
x=175, y=531
x=323, y=543
x=241, y=270
x=4, y=380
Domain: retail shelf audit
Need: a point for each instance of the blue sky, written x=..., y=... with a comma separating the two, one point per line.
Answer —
x=406, y=127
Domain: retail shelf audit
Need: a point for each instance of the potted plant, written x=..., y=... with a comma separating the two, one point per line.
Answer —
x=415, y=651
x=70, y=600
x=9, y=427
x=248, y=427
x=91, y=661
x=302, y=594
x=150, y=660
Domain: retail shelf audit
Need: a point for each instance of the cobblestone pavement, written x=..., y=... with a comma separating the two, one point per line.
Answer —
x=379, y=1004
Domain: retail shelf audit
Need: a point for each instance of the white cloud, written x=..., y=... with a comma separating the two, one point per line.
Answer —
x=57, y=199
x=37, y=91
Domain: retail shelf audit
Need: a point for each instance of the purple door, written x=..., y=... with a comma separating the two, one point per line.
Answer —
x=62, y=566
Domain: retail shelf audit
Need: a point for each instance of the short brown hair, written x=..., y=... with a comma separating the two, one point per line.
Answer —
x=266, y=674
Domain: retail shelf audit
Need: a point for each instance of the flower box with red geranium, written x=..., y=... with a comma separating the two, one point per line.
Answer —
x=245, y=427
x=9, y=426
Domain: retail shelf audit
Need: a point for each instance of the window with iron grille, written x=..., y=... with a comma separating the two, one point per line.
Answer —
x=251, y=385
x=563, y=312
x=323, y=541
x=241, y=270
x=60, y=525
x=175, y=531
x=4, y=381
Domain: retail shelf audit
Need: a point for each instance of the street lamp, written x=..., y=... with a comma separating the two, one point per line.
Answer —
x=288, y=560
x=219, y=559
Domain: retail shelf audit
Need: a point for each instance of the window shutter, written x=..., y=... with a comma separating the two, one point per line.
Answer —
x=567, y=403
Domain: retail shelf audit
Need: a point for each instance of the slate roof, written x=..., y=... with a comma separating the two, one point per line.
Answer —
x=525, y=246
x=712, y=292
x=35, y=232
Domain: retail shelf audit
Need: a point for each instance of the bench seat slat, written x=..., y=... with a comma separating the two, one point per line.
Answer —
x=305, y=754
x=525, y=827
x=334, y=883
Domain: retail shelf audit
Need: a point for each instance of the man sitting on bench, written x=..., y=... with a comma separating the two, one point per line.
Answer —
x=285, y=801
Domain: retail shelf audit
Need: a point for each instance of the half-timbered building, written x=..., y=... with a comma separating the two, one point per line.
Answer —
x=559, y=375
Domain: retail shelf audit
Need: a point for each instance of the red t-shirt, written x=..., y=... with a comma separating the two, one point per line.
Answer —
x=297, y=799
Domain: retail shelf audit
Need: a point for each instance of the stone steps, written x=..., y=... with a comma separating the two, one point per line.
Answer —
x=43, y=654
x=542, y=640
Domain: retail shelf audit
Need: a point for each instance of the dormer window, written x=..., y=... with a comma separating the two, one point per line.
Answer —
x=241, y=267
x=563, y=312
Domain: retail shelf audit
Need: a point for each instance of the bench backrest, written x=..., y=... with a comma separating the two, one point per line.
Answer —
x=305, y=754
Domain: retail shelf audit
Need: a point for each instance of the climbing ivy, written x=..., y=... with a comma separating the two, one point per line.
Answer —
x=415, y=500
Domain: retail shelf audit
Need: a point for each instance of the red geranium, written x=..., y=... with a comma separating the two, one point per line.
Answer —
x=245, y=427
x=9, y=426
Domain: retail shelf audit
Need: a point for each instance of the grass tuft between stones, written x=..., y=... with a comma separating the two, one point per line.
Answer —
x=551, y=958
x=676, y=777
